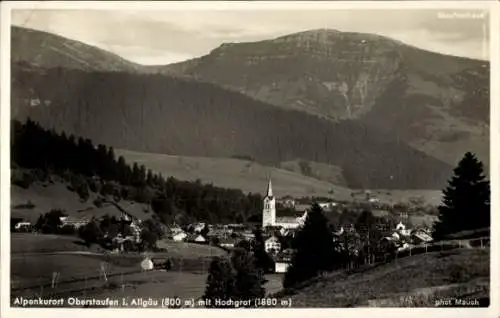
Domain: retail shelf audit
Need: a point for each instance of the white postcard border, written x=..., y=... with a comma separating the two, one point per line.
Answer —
x=6, y=7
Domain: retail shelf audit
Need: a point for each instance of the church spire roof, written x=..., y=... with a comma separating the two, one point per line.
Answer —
x=270, y=188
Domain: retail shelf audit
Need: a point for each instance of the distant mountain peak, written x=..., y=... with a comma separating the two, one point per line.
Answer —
x=315, y=32
x=48, y=50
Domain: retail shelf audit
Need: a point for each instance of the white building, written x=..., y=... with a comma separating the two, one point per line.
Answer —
x=281, y=267
x=327, y=205
x=147, y=264
x=272, y=244
x=179, y=236
x=22, y=225
x=401, y=229
x=269, y=211
x=200, y=239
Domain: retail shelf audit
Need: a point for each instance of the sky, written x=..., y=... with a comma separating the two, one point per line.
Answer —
x=168, y=36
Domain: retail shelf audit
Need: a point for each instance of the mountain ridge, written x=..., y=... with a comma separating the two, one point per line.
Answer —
x=371, y=78
x=59, y=51
x=156, y=113
x=411, y=108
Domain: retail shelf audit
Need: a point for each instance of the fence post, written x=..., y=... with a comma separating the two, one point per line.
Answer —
x=85, y=288
x=122, y=284
x=41, y=287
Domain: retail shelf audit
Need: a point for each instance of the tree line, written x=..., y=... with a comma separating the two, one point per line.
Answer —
x=95, y=168
x=161, y=114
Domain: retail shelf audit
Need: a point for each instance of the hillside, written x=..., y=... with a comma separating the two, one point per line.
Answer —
x=246, y=175
x=250, y=176
x=49, y=50
x=155, y=113
x=415, y=281
x=42, y=197
x=437, y=103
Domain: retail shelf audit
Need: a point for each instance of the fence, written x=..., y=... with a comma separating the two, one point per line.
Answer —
x=355, y=262
x=481, y=242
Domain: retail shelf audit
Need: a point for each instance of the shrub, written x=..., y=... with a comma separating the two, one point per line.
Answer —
x=24, y=180
x=41, y=175
x=94, y=185
x=98, y=202
x=90, y=233
x=111, y=188
x=67, y=230
x=79, y=185
x=27, y=205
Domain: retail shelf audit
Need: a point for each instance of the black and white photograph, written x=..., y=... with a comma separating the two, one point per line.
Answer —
x=247, y=155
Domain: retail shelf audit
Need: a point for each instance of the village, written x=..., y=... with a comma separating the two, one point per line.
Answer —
x=278, y=232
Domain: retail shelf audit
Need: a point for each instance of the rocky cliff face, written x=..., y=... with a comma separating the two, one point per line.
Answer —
x=323, y=72
x=432, y=101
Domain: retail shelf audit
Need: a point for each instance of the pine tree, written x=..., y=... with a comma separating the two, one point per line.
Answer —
x=262, y=259
x=249, y=279
x=315, y=249
x=466, y=200
x=220, y=282
x=366, y=226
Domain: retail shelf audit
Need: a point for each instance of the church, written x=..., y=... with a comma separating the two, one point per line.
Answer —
x=269, y=213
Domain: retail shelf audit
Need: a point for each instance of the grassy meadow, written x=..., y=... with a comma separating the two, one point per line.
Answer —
x=252, y=177
x=41, y=198
x=415, y=281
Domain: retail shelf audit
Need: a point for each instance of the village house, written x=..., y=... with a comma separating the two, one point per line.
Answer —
x=74, y=221
x=20, y=225
x=147, y=264
x=282, y=261
x=119, y=240
x=136, y=231
x=195, y=238
x=199, y=227
x=419, y=236
x=179, y=236
x=272, y=245
x=286, y=202
x=327, y=206
x=337, y=234
x=228, y=242
x=200, y=239
x=248, y=236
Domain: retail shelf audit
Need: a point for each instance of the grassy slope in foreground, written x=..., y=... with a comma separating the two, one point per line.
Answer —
x=419, y=279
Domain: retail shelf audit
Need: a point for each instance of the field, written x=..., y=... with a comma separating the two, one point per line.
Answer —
x=36, y=257
x=234, y=173
x=411, y=281
x=45, y=197
x=252, y=177
x=22, y=243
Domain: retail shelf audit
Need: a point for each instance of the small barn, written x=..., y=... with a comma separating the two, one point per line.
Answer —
x=179, y=236
x=147, y=264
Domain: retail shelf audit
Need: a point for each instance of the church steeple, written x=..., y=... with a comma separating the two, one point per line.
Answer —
x=270, y=189
x=269, y=207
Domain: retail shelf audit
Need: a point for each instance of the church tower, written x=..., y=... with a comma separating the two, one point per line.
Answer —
x=269, y=211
